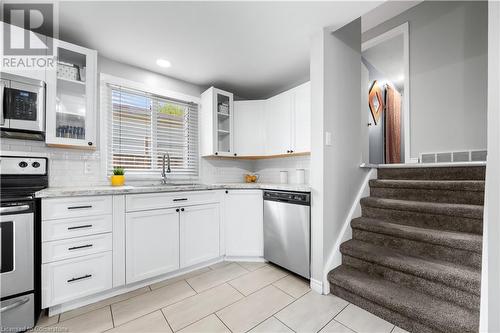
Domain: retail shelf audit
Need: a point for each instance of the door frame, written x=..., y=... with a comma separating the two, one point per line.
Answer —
x=404, y=30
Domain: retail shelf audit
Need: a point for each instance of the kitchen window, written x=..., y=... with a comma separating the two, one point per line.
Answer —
x=143, y=126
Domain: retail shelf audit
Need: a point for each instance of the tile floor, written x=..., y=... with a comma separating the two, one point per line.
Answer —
x=225, y=297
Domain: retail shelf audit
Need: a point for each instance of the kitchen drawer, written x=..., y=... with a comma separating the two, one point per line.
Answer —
x=147, y=201
x=60, y=208
x=76, y=227
x=67, y=280
x=76, y=247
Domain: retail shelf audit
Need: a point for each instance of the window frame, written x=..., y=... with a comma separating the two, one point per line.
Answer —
x=105, y=137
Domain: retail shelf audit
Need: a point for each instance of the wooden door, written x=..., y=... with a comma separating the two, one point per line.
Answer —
x=393, y=126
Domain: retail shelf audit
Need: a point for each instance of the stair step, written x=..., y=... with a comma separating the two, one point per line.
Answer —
x=434, y=173
x=443, y=216
x=447, y=191
x=458, y=240
x=436, y=289
x=408, y=308
x=456, y=247
x=453, y=275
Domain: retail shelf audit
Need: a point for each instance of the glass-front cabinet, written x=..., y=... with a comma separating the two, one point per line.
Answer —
x=216, y=123
x=71, y=97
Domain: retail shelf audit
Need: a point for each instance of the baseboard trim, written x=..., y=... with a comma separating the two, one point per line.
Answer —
x=57, y=309
x=316, y=286
x=243, y=258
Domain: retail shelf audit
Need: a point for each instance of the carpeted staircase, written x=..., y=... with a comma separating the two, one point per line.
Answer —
x=415, y=256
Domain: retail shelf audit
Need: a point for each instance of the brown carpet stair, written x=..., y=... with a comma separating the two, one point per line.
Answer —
x=415, y=256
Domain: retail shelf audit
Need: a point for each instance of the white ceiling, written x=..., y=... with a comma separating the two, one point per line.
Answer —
x=254, y=49
x=387, y=58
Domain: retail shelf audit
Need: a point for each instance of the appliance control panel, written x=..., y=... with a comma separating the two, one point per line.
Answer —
x=17, y=165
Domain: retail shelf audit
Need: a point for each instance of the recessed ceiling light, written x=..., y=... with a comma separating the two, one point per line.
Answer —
x=163, y=63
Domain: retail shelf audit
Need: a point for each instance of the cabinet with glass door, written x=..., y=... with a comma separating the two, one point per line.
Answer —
x=71, y=97
x=216, y=123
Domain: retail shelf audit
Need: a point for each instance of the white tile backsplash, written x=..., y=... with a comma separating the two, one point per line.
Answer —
x=216, y=170
x=269, y=169
x=230, y=171
x=75, y=167
x=67, y=167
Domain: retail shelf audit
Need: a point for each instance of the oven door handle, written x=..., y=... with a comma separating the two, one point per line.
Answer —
x=2, y=93
x=14, y=305
x=13, y=209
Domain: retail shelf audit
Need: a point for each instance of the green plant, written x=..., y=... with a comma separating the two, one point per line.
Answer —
x=172, y=110
x=118, y=171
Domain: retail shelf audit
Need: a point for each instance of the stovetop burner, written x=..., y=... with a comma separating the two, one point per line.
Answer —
x=21, y=177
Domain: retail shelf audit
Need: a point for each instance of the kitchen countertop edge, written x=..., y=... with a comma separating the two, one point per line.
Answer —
x=55, y=192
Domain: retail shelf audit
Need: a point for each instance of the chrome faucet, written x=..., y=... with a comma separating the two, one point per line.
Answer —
x=163, y=172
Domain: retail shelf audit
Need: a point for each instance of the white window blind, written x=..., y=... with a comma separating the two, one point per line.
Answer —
x=142, y=127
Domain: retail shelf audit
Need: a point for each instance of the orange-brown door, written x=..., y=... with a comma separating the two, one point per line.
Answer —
x=393, y=126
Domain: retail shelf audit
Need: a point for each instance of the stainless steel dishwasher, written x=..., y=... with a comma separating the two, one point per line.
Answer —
x=287, y=230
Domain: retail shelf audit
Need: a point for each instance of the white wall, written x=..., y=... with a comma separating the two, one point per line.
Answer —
x=448, y=74
x=336, y=108
x=490, y=278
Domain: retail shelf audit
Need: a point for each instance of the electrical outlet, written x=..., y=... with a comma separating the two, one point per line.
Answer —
x=87, y=168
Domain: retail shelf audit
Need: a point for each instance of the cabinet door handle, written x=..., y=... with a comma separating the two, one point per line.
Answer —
x=80, y=227
x=80, y=247
x=80, y=278
x=182, y=199
x=182, y=209
x=177, y=210
x=80, y=207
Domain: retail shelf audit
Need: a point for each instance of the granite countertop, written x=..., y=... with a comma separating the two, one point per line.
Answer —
x=53, y=192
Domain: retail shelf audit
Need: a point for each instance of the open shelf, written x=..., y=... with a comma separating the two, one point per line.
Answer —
x=71, y=81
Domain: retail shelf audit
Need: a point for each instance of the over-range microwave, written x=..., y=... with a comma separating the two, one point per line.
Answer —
x=23, y=107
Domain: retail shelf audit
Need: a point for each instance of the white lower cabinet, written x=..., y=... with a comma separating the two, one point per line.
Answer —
x=243, y=220
x=199, y=234
x=163, y=240
x=152, y=243
x=70, y=279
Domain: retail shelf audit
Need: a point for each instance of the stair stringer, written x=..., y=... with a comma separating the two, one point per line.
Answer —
x=335, y=257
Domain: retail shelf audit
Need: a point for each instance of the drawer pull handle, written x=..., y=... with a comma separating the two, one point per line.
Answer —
x=80, y=207
x=14, y=305
x=80, y=247
x=80, y=278
x=80, y=227
x=182, y=199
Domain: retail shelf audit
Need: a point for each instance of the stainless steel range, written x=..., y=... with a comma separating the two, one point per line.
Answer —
x=20, y=178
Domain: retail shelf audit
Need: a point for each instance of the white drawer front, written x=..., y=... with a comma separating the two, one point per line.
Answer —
x=60, y=208
x=76, y=227
x=147, y=201
x=68, y=280
x=76, y=247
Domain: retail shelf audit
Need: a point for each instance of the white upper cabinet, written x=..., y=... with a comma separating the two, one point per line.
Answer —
x=288, y=121
x=280, y=125
x=71, y=97
x=216, y=123
x=301, y=119
x=278, y=120
x=249, y=130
